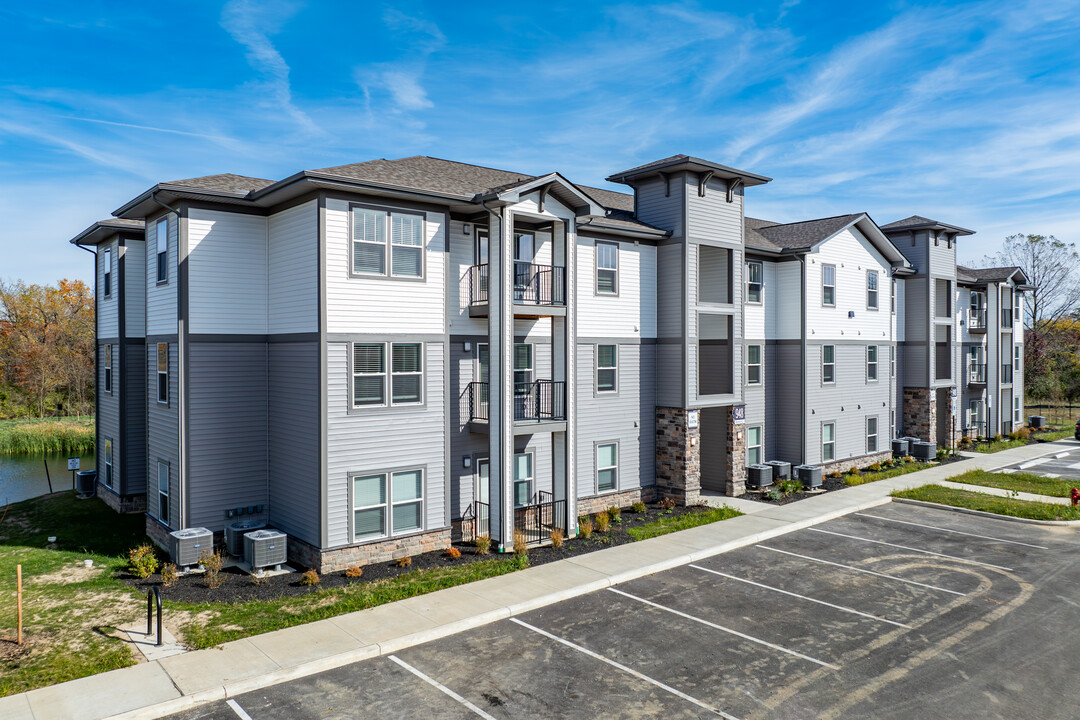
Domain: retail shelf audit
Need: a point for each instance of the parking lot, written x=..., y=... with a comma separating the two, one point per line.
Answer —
x=1063, y=464
x=896, y=612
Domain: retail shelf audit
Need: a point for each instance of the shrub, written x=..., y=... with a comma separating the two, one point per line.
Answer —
x=997, y=438
x=965, y=440
x=212, y=562
x=453, y=553
x=169, y=575
x=143, y=561
x=835, y=474
x=1021, y=433
x=556, y=538
x=789, y=485
x=775, y=495
x=585, y=527
x=874, y=467
x=483, y=544
x=354, y=571
x=615, y=513
x=310, y=578
x=666, y=503
x=638, y=507
x=403, y=562
x=603, y=521
x=521, y=543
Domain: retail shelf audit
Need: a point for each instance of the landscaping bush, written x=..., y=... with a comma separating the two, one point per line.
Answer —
x=521, y=543
x=212, y=562
x=310, y=578
x=585, y=527
x=603, y=521
x=616, y=513
x=835, y=474
x=638, y=507
x=483, y=544
x=453, y=553
x=354, y=572
x=403, y=562
x=874, y=467
x=789, y=485
x=1021, y=433
x=666, y=504
x=169, y=575
x=143, y=561
x=556, y=538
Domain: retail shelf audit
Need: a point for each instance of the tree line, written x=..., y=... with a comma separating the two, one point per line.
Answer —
x=46, y=349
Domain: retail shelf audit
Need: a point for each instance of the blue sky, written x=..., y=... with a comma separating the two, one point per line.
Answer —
x=965, y=112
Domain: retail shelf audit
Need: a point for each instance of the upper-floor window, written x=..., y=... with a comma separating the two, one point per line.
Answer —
x=388, y=504
x=828, y=441
x=607, y=268
x=755, y=277
x=871, y=362
x=481, y=249
x=871, y=434
x=892, y=361
x=828, y=363
x=106, y=263
x=385, y=240
x=162, y=234
x=828, y=285
x=753, y=364
x=108, y=368
x=892, y=296
x=370, y=374
x=607, y=467
x=163, y=372
x=872, y=289
x=1016, y=358
x=607, y=368
x=1017, y=314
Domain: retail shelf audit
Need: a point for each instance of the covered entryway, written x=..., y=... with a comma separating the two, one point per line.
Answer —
x=714, y=449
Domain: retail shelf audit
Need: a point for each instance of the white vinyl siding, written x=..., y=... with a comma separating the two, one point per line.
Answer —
x=293, y=278
x=632, y=312
x=607, y=467
x=161, y=297
x=227, y=272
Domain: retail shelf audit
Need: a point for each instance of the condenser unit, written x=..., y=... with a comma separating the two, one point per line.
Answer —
x=809, y=476
x=759, y=477
x=924, y=451
x=263, y=548
x=188, y=545
x=781, y=469
x=901, y=448
x=234, y=535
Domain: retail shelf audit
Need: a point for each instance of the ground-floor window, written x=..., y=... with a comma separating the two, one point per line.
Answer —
x=387, y=504
x=523, y=478
x=163, y=491
x=753, y=445
x=108, y=463
x=1016, y=409
x=871, y=434
x=828, y=442
x=607, y=467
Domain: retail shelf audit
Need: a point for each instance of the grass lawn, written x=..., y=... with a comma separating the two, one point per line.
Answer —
x=1052, y=435
x=47, y=435
x=1021, y=482
x=663, y=526
x=883, y=474
x=991, y=503
x=999, y=445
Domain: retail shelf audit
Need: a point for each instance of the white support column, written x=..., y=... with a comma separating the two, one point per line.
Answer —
x=501, y=378
x=564, y=353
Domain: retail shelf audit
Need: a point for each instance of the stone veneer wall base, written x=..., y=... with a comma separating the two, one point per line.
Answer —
x=678, y=456
x=307, y=556
x=123, y=504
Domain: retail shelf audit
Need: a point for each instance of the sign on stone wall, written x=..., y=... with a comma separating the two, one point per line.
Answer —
x=738, y=413
x=693, y=417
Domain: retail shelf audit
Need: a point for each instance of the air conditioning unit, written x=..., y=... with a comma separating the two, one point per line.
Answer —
x=901, y=448
x=924, y=451
x=759, y=477
x=911, y=442
x=263, y=548
x=86, y=482
x=781, y=469
x=1037, y=421
x=234, y=535
x=809, y=476
x=188, y=545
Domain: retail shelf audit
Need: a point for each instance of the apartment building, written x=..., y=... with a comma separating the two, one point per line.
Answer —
x=379, y=358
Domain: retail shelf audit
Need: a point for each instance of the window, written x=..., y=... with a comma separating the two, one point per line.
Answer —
x=607, y=268
x=371, y=516
x=369, y=374
x=892, y=361
x=163, y=372
x=871, y=434
x=828, y=442
x=892, y=296
x=523, y=478
x=523, y=367
x=871, y=362
x=163, y=491
x=106, y=263
x=828, y=364
x=607, y=467
x=162, y=233
x=383, y=239
x=871, y=290
x=753, y=446
x=607, y=368
x=1018, y=316
x=1016, y=409
x=108, y=463
x=481, y=247
x=755, y=275
x=483, y=475
x=1016, y=358
x=753, y=364
x=973, y=416
x=828, y=285
x=108, y=368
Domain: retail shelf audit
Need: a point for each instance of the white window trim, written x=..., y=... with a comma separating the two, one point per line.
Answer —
x=872, y=363
x=876, y=290
x=388, y=504
x=392, y=374
x=531, y=480
x=387, y=375
x=892, y=361
x=615, y=385
x=163, y=494
x=388, y=243
x=760, y=446
x=760, y=364
x=826, y=285
x=615, y=467
x=1016, y=359
x=831, y=442
x=823, y=364
x=1017, y=409
x=761, y=284
x=161, y=236
x=597, y=269
x=876, y=434
x=892, y=296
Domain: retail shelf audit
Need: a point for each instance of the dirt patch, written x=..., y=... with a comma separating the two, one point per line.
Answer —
x=71, y=574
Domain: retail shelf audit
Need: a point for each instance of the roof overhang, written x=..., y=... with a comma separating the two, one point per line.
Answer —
x=102, y=230
x=939, y=226
x=552, y=184
x=877, y=238
x=600, y=224
x=676, y=164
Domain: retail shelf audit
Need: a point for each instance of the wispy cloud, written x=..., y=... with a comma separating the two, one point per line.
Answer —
x=401, y=79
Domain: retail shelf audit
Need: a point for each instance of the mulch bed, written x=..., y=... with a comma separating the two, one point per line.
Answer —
x=237, y=585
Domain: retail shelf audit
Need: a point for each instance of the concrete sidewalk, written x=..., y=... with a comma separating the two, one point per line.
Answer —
x=172, y=684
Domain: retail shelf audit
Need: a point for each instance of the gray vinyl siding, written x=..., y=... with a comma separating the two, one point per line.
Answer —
x=942, y=258
x=693, y=321
x=108, y=306
x=377, y=439
x=161, y=309
x=847, y=402
x=108, y=417
x=227, y=433
x=227, y=268
x=670, y=312
x=628, y=418
x=162, y=432
x=658, y=209
x=784, y=377
x=713, y=218
x=134, y=288
x=293, y=302
x=134, y=398
x=293, y=432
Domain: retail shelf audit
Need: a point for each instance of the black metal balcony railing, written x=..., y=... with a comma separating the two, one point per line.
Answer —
x=533, y=284
x=535, y=521
x=1006, y=318
x=1006, y=373
x=476, y=522
x=977, y=373
x=539, y=400
x=976, y=320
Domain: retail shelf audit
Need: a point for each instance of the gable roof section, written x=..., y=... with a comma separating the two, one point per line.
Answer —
x=104, y=229
x=421, y=172
x=804, y=236
x=226, y=182
x=994, y=274
x=918, y=222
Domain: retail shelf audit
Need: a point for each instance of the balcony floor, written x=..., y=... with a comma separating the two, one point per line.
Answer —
x=522, y=427
x=522, y=310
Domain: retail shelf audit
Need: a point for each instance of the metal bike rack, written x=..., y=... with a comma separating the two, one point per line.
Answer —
x=152, y=594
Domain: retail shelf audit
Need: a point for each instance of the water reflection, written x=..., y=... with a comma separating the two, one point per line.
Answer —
x=23, y=476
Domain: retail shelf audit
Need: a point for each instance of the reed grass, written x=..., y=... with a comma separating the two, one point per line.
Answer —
x=46, y=435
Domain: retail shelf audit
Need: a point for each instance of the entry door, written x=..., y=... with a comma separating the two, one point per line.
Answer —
x=482, y=489
x=524, y=252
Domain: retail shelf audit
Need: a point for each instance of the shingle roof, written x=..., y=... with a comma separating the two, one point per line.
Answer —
x=797, y=235
x=918, y=221
x=122, y=222
x=433, y=174
x=994, y=274
x=226, y=182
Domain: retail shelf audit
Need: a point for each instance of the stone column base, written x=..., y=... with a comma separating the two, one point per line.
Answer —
x=736, y=456
x=678, y=455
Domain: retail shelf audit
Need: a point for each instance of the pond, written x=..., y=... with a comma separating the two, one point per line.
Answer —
x=23, y=476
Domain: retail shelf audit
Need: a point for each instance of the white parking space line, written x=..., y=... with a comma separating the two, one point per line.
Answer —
x=238, y=710
x=1075, y=466
x=631, y=671
x=803, y=597
x=1008, y=471
x=439, y=686
x=1063, y=454
x=862, y=570
x=1032, y=463
x=905, y=547
x=736, y=633
x=948, y=530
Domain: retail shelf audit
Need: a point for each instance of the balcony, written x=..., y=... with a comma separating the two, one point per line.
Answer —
x=538, y=406
x=535, y=520
x=976, y=321
x=1006, y=373
x=976, y=373
x=539, y=290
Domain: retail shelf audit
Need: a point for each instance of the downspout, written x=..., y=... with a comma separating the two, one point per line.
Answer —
x=802, y=360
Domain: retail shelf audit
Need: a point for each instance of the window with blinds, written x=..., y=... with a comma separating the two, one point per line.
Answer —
x=406, y=373
x=607, y=368
x=163, y=372
x=370, y=375
x=387, y=243
x=388, y=503
x=607, y=268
